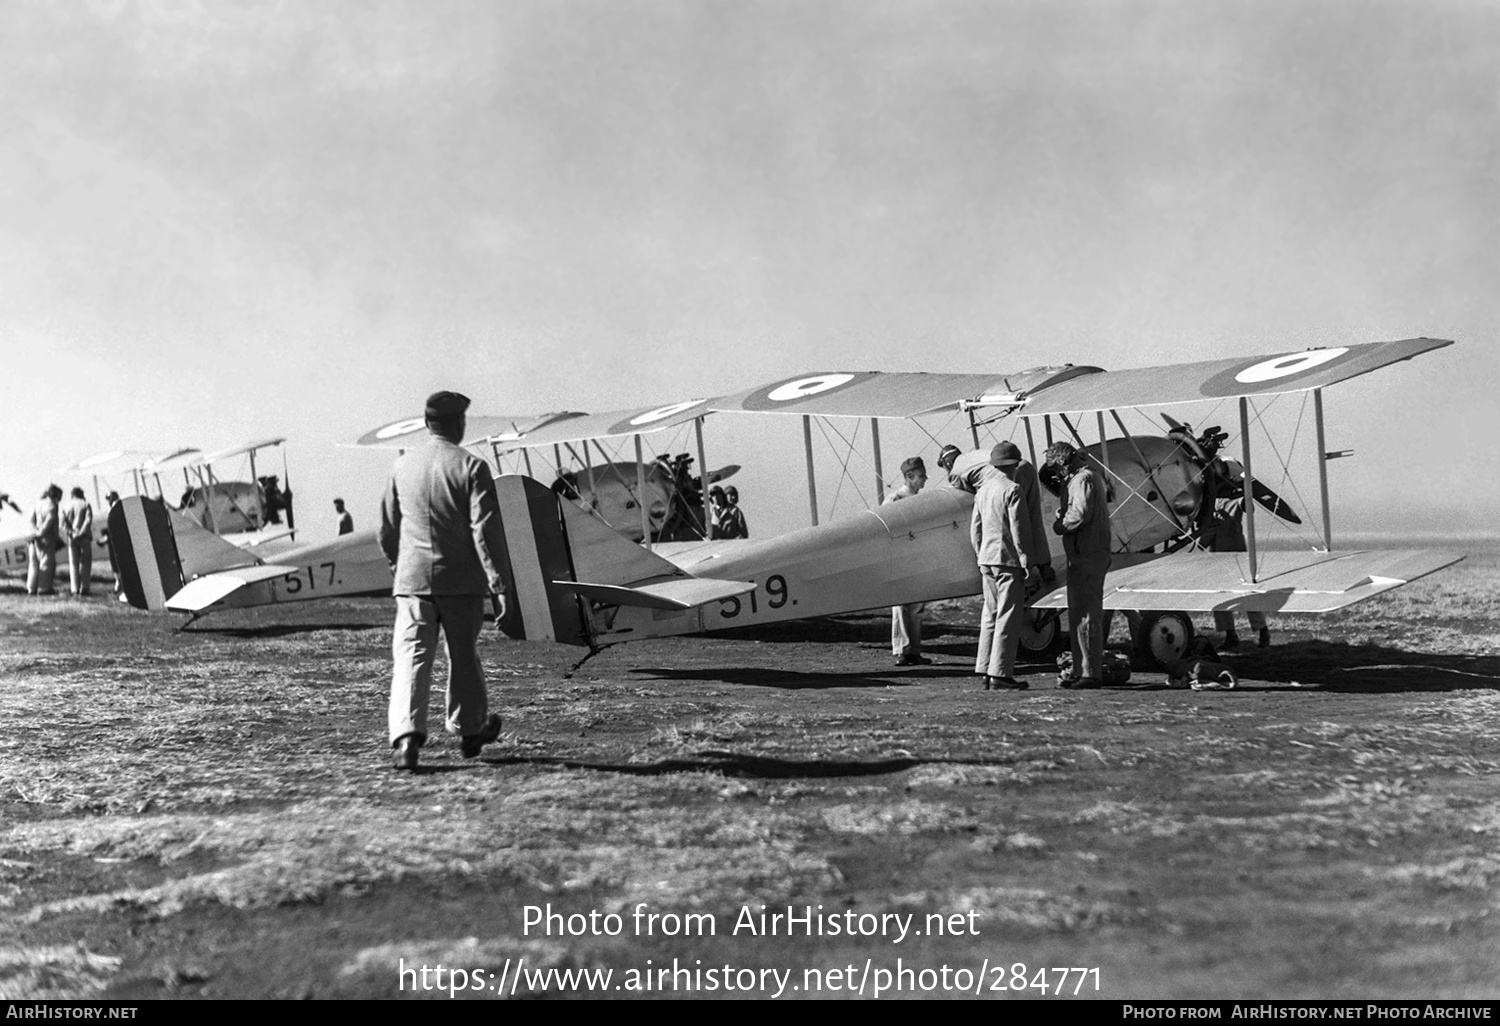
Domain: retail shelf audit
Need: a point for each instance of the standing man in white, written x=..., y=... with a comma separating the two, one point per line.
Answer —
x=440, y=529
x=906, y=621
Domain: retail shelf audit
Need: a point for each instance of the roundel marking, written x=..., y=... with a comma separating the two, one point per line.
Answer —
x=1284, y=366
x=401, y=427
x=804, y=387
x=663, y=412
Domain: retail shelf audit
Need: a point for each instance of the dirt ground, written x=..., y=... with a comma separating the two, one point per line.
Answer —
x=210, y=814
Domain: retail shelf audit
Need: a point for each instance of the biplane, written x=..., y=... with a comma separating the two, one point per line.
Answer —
x=173, y=562
x=249, y=513
x=572, y=578
x=573, y=583
x=655, y=500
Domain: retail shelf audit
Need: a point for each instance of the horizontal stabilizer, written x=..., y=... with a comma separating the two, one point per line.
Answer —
x=1286, y=582
x=198, y=595
x=203, y=552
x=675, y=594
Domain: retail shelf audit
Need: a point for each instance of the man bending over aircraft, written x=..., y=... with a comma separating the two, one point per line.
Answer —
x=969, y=471
x=1008, y=547
x=440, y=529
x=1083, y=521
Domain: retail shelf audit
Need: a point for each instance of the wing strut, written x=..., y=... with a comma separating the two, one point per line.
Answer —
x=1323, y=470
x=1249, y=484
x=640, y=494
x=702, y=480
x=879, y=474
x=812, y=483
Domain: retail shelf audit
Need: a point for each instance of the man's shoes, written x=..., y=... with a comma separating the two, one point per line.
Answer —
x=1005, y=684
x=1263, y=640
x=1080, y=683
x=404, y=752
x=1231, y=640
x=489, y=732
x=913, y=660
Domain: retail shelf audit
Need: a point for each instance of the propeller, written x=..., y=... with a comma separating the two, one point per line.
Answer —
x=1261, y=492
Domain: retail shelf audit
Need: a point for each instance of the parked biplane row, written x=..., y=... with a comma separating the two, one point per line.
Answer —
x=574, y=577
x=196, y=485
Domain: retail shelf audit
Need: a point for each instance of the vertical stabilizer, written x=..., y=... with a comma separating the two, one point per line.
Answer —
x=146, y=559
x=536, y=544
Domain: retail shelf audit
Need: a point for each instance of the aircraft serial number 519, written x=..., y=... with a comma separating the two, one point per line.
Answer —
x=294, y=581
x=776, y=598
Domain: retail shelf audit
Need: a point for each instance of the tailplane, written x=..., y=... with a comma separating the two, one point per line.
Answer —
x=157, y=551
x=563, y=568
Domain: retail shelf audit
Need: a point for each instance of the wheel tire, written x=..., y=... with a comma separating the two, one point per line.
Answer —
x=1164, y=637
x=1042, y=635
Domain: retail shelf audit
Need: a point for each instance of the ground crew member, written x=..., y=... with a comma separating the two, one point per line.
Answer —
x=346, y=522
x=966, y=471
x=906, y=621
x=78, y=532
x=41, y=558
x=1083, y=521
x=1008, y=547
x=969, y=471
x=440, y=529
x=1226, y=533
x=111, y=500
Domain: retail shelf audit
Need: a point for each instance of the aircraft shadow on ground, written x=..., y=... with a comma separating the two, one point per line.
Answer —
x=736, y=764
x=794, y=680
x=1367, y=669
x=282, y=630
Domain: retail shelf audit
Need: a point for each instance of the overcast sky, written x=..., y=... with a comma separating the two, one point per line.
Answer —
x=223, y=219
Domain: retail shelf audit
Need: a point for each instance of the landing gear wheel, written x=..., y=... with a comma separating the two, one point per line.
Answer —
x=1164, y=637
x=1042, y=636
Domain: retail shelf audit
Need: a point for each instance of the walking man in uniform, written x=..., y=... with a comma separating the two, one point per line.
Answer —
x=1008, y=547
x=78, y=531
x=1083, y=521
x=346, y=521
x=440, y=529
x=906, y=621
x=41, y=562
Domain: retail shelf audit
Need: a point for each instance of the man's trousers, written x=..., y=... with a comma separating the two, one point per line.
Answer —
x=80, y=564
x=413, y=649
x=1000, y=623
x=1086, y=615
x=41, y=567
x=906, y=629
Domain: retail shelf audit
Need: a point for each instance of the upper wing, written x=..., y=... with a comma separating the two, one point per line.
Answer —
x=1288, y=582
x=860, y=394
x=402, y=434
x=119, y=461
x=620, y=423
x=1268, y=374
x=1068, y=388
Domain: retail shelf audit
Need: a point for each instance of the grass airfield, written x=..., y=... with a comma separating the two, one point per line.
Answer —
x=210, y=813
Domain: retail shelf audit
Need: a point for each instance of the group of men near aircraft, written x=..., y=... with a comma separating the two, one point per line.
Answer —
x=1010, y=544
x=58, y=525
